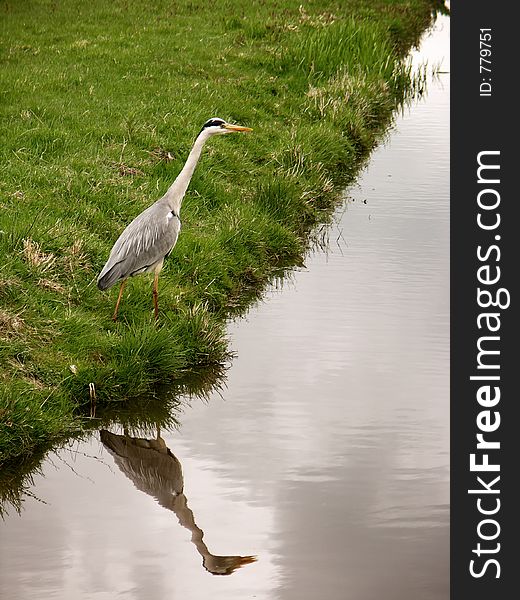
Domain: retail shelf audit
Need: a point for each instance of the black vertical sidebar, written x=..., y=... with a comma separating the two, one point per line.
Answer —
x=485, y=256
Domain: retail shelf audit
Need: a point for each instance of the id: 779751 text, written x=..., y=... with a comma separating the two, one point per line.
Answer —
x=485, y=62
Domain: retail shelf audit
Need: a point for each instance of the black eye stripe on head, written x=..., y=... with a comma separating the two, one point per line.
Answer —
x=213, y=123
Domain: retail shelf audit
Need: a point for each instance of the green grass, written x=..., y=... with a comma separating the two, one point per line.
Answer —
x=99, y=106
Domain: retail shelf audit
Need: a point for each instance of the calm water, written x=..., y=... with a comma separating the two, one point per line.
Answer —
x=325, y=456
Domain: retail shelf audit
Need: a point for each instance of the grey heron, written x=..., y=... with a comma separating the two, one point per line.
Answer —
x=149, y=238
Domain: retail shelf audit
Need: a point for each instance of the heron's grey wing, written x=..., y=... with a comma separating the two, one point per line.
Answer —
x=144, y=242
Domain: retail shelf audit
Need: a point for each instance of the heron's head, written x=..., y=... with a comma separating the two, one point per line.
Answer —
x=216, y=126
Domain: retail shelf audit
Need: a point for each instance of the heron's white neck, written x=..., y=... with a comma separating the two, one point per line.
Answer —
x=176, y=191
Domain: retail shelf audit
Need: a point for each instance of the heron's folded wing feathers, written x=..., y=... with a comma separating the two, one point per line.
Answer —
x=144, y=242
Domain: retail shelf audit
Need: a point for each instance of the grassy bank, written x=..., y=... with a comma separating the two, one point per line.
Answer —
x=100, y=103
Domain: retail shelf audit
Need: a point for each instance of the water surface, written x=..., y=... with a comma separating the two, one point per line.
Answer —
x=325, y=455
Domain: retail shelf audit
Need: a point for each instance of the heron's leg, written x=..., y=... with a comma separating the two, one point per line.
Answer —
x=156, y=293
x=123, y=283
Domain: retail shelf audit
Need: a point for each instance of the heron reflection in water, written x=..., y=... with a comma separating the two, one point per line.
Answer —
x=155, y=470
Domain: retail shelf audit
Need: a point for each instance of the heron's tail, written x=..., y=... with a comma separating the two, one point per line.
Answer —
x=108, y=277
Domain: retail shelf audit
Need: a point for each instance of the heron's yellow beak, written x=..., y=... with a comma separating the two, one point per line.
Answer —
x=236, y=127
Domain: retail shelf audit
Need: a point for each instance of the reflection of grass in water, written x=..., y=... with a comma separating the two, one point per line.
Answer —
x=101, y=108
x=16, y=482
